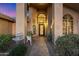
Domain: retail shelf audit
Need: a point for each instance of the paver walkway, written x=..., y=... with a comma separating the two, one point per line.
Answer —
x=39, y=47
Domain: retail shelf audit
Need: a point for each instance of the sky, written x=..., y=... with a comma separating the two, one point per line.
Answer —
x=8, y=9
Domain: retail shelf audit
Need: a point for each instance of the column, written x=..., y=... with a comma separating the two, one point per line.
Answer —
x=52, y=25
x=20, y=19
x=58, y=19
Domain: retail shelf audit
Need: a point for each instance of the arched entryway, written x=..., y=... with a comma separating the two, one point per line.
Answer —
x=42, y=24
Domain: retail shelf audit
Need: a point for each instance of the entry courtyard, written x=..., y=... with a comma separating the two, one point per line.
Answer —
x=39, y=29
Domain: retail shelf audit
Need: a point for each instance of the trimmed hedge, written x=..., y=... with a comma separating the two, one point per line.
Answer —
x=49, y=36
x=68, y=45
x=19, y=50
x=5, y=39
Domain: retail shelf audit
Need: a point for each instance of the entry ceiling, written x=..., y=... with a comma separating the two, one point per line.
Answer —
x=74, y=6
x=39, y=6
x=44, y=6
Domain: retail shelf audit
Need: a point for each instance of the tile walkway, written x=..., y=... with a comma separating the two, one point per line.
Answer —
x=40, y=47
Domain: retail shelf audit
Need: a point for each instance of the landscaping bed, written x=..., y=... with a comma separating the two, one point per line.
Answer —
x=10, y=48
x=18, y=50
x=68, y=45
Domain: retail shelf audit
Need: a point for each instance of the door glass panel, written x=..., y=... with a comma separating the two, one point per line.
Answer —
x=41, y=29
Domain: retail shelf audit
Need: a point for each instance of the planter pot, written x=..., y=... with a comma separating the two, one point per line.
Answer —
x=29, y=39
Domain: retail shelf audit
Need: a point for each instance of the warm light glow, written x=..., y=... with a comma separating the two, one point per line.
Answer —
x=52, y=24
x=41, y=30
x=41, y=18
x=46, y=24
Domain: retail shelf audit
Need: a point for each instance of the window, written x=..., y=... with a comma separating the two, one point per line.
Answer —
x=41, y=18
x=34, y=29
x=67, y=24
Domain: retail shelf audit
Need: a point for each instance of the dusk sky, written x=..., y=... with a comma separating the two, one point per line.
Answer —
x=8, y=9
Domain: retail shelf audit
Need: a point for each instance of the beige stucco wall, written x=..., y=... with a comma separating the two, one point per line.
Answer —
x=75, y=16
x=29, y=24
x=33, y=20
x=5, y=27
x=49, y=18
x=13, y=28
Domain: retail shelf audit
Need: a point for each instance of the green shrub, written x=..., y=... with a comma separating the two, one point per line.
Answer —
x=68, y=44
x=49, y=36
x=19, y=50
x=29, y=33
x=5, y=39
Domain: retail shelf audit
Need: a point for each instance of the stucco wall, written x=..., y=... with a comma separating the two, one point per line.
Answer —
x=5, y=27
x=75, y=16
x=29, y=24
x=13, y=28
x=49, y=15
x=33, y=19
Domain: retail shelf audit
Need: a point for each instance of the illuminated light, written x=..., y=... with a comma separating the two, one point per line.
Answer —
x=51, y=26
x=41, y=18
x=46, y=24
x=41, y=30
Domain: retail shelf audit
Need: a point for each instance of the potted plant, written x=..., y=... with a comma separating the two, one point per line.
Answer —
x=29, y=37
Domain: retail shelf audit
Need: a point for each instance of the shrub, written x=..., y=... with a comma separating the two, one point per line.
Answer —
x=68, y=44
x=29, y=33
x=5, y=39
x=49, y=35
x=19, y=50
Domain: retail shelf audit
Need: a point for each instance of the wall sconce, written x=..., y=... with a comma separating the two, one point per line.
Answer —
x=52, y=24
